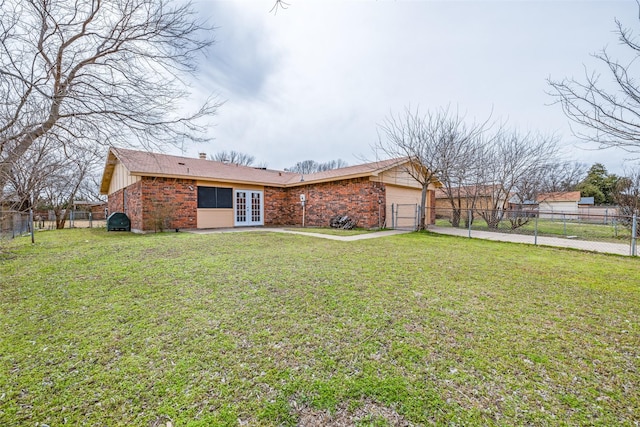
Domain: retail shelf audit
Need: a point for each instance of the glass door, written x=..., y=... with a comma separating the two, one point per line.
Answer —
x=249, y=208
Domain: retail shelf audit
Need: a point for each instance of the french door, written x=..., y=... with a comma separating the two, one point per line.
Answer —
x=249, y=208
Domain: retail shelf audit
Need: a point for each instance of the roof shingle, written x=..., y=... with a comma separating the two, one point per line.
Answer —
x=144, y=163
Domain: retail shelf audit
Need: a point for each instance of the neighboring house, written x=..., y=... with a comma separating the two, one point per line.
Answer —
x=471, y=197
x=484, y=200
x=560, y=202
x=98, y=209
x=191, y=193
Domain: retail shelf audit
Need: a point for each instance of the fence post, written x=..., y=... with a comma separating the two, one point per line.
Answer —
x=469, y=221
x=33, y=240
x=634, y=233
x=535, y=231
x=418, y=218
x=393, y=216
x=564, y=223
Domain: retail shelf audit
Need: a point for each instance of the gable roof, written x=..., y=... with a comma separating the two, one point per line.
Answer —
x=144, y=163
x=567, y=196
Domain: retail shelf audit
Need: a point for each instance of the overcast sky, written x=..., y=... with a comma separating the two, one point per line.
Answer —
x=315, y=80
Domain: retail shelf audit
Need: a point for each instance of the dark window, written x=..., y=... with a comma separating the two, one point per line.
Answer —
x=215, y=197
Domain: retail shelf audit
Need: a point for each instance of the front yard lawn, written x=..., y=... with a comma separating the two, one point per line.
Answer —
x=274, y=329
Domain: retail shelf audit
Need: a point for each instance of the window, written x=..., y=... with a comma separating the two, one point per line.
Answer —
x=215, y=197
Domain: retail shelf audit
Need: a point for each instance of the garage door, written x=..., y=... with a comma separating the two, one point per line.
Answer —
x=402, y=204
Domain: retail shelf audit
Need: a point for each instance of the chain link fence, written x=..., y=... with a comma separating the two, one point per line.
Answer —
x=15, y=223
x=85, y=219
x=403, y=216
x=602, y=229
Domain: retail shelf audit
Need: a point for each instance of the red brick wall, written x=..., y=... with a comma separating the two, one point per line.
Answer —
x=169, y=203
x=279, y=207
x=133, y=205
x=114, y=202
x=127, y=200
x=173, y=202
x=97, y=211
x=357, y=198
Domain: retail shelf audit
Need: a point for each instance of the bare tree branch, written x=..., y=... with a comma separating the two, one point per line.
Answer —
x=279, y=4
x=610, y=118
x=436, y=143
x=311, y=166
x=98, y=73
x=234, y=158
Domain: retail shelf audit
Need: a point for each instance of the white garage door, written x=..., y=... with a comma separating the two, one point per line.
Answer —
x=402, y=205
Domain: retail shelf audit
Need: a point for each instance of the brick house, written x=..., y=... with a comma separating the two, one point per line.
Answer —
x=161, y=191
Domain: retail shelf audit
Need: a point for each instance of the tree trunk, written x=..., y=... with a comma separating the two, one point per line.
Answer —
x=423, y=208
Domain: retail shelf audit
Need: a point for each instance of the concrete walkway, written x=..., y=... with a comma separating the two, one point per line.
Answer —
x=585, y=245
x=353, y=238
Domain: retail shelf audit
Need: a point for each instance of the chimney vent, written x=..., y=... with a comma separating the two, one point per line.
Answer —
x=202, y=155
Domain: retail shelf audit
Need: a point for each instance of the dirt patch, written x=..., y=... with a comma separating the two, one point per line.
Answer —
x=369, y=413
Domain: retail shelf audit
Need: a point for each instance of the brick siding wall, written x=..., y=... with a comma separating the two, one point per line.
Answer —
x=114, y=202
x=359, y=198
x=153, y=204
x=128, y=200
x=279, y=207
x=174, y=202
x=169, y=203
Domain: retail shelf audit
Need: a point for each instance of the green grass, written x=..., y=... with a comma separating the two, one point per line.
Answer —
x=261, y=328
x=333, y=231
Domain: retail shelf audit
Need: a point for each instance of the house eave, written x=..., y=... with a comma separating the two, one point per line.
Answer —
x=207, y=178
x=107, y=174
x=330, y=179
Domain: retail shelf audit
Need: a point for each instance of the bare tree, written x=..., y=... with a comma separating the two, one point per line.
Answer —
x=97, y=72
x=460, y=171
x=332, y=164
x=234, y=158
x=28, y=176
x=611, y=116
x=436, y=143
x=50, y=179
x=303, y=167
x=562, y=176
x=311, y=166
x=627, y=194
x=60, y=190
x=511, y=167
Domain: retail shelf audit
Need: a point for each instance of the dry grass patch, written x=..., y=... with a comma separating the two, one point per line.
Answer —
x=364, y=413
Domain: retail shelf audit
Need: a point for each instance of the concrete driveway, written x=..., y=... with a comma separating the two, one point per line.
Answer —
x=585, y=245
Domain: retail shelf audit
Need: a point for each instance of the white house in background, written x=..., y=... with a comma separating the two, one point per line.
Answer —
x=561, y=202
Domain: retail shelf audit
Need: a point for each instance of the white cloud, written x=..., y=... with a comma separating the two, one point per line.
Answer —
x=312, y=81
